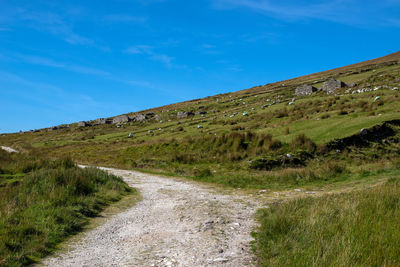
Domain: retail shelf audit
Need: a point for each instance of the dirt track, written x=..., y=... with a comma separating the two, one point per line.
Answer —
x=177, y=223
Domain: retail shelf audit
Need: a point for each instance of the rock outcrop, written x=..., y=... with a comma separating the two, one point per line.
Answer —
x=103, y=121
x=183, y=114
x=120, y=119
x=140, y=117
x=305, y=90
x=83, y=124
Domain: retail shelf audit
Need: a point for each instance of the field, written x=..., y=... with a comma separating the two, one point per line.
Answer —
x=267, y=138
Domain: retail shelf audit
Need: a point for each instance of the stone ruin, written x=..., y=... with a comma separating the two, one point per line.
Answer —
x=183, y=114
x=103, y=121
x=331, y=85
x=83, y=124
x=305, y=90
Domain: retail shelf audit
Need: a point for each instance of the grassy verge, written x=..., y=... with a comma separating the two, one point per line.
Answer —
x=361, y=228
x=44, y=206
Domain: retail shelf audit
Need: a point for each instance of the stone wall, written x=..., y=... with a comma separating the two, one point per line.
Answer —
x=305, y=90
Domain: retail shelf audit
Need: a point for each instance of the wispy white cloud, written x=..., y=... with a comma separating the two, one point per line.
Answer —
x=166, y=60
x=47, y=62
x=125, y=18
x=209, y=49
x=140, y=49
x=70, y=67
x=54, y=24
x=351, y=12
x=208, y=46
x=13, y=78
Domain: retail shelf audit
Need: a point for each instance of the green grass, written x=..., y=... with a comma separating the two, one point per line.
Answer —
x=46, y=202
x=360, y=228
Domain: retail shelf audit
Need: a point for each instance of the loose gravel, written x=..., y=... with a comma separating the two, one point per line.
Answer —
x=177, y=223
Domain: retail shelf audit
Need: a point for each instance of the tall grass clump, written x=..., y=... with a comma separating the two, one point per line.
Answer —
x=302, y=142
x=50, y=204
x=361, y=228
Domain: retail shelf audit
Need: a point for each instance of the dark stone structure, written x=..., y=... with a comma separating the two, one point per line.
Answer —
x=183, y=114
x=83, y=124
x=103, y=121
x=305, y=90
x=331, y=85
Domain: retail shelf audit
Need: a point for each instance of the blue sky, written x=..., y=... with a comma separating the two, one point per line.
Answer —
x=67, y=61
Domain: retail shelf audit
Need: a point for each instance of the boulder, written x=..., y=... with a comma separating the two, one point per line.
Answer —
x=305, y=90
x=82, y=124
x=183, y=114
x=331, y=85
x=363, y=132
x=140, y=117
x=120, y=119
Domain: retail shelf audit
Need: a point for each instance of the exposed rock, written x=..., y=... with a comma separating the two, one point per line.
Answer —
x=83, y=124
x=331, y=85
x=120, y=119
x=149, y=114
x=363, y=131
x=183, y=114
x=103, y=121
x=351, y=84
x=200, y=113
x=140, y=117
x=305, y=90
x=9, y=149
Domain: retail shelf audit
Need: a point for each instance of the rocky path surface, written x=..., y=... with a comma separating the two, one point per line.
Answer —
x=177, y=223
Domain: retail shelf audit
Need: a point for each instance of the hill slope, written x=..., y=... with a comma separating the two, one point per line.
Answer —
x=342, y=137
x=246, y=138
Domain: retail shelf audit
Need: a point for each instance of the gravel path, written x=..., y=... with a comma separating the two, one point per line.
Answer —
x=177, y=223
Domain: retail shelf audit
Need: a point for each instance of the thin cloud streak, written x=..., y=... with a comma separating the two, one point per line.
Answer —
x=350, y=12
x=166, y=60
x=54, y=24
x=51, y=63
x=124, y=18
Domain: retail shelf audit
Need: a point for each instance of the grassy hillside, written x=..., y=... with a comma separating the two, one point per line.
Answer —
x=44, y=201
x=360, y=228
x=264, y=137
x=228, y=133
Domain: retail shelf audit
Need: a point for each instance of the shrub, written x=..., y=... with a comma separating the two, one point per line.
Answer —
x=302, y=142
